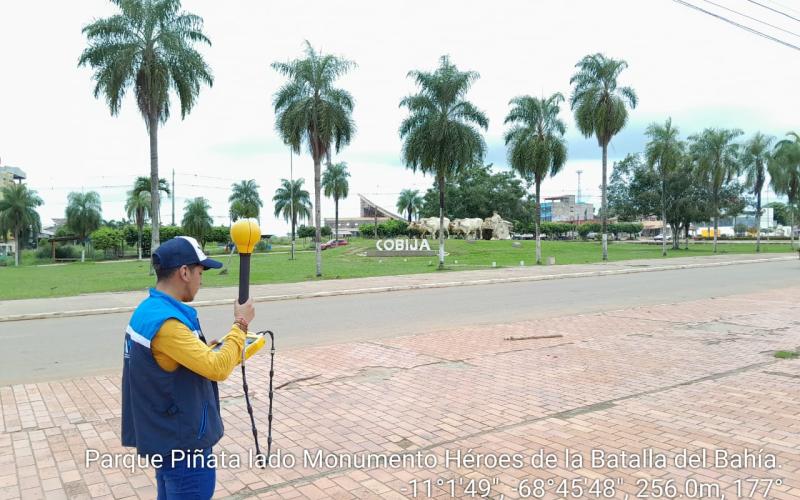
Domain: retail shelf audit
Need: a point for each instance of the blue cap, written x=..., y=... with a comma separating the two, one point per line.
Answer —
x=182, y=251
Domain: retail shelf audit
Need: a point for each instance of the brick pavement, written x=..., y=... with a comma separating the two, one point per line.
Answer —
x=693, y=375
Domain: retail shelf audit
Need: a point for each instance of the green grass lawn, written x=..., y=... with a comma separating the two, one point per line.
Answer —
x=31, y=281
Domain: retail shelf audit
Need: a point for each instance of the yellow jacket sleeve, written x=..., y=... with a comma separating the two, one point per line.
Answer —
x=175, y=344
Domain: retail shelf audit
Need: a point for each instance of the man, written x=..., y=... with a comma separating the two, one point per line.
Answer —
x=170, y=400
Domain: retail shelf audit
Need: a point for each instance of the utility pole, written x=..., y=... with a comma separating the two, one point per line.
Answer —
x=173, y=196
x=578, y=200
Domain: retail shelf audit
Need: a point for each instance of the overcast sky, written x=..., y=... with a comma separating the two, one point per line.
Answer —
x=684, y=64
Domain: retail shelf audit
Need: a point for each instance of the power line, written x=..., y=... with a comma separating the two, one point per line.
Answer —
x=773, y=2
x=742, y=26
x=753, y=18
x=774, y=10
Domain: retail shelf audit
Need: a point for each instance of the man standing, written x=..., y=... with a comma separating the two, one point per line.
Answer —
x=170, y=400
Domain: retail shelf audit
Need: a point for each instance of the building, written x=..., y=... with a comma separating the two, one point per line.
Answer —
x=9, y=175
x=566, y=209
x=370, y=213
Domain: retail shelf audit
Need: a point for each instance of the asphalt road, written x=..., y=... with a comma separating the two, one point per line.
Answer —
x=48, y=349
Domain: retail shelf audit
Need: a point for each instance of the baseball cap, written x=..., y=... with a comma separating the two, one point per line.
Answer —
x=182, y=251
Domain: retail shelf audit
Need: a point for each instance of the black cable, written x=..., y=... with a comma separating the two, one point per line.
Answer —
x=742, y=26
x=752, y=18
x=774, y=10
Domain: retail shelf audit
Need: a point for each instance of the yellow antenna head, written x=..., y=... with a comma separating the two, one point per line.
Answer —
x=245, y=233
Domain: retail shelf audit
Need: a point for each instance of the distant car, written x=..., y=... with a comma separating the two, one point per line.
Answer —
x=333, y=244
x=660, y=237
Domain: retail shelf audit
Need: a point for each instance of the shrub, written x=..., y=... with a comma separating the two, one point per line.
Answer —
x=367, y=230
x=107, y=239
x=589, y=227
x=392, y=228
x=219, y=234
x=263, y=246
x=62, y=252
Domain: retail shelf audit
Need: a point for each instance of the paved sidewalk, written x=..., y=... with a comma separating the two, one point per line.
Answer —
x=102, y=303
x=692, y=376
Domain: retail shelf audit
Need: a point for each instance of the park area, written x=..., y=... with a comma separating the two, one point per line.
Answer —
x=274, y=266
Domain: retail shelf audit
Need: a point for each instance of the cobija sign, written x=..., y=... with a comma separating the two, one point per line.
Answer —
x=401, y=248
x=413, y=245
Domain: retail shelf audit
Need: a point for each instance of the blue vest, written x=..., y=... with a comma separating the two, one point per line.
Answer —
x=164, y=411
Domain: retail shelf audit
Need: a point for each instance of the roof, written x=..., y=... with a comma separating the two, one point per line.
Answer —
x=381, y=210
x=14, y=171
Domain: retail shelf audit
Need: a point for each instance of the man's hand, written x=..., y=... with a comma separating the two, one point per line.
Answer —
x=247, y=311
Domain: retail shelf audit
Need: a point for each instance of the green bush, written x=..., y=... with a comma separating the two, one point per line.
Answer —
x=589, y=227
x=219, y=234
x=62, y=252
x=392, y=228
x=367, y=230
x=310, y=231
x=107, y=239
x=263, y=246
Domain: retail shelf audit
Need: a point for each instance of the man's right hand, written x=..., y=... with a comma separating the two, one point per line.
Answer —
x=246, y=311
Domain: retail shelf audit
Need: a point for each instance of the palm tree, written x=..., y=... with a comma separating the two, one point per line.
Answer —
x=663, y=154
x=245, y=200
x=335, y=185
x=308, y=108
x=756, y=155
x=716, y=157
x=18, y=212
x=409, y=201
x=137, y=207
x=439, y=135
x=784, y=172
x=196, y=220
x=291, y=202
x=143, y=185
x=84, y=215
x=148, y=47
x=600, y=110
x=536, y=145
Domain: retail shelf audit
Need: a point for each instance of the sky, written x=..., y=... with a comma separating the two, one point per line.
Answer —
x=683, y=64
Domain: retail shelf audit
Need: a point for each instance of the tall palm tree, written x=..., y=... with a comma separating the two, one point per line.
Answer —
x=756, y=155
x=335, y=185
x=663, y=154
x=196, y=220
x=409, y=202
x=292, y=201
x=717, y=160
x=245, y=200
x=137, y=207
x=309, y=109
x=536, y=145
x=84, y=215
x=600, y=108
x=439, y=135
x=148, y=47
x=784, y=172
x=18, y=212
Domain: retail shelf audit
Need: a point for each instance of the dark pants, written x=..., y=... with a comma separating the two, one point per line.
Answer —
x=188, y=479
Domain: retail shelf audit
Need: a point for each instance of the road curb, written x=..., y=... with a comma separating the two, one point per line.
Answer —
x=397, y=288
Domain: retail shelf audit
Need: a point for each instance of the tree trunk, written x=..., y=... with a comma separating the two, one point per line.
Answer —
x=139, y=241
x=317, y=216
x=791, y=227
x=336, y=223
x=537, y=220
x=19, y=247
x=664, y=218
x=294, y=224
x=716, y=222
x=604, y=204
x=686, y=228
x=155, y=218
x=758, y=221
x=409, y=215
x=676, y=236
x=441, y=221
